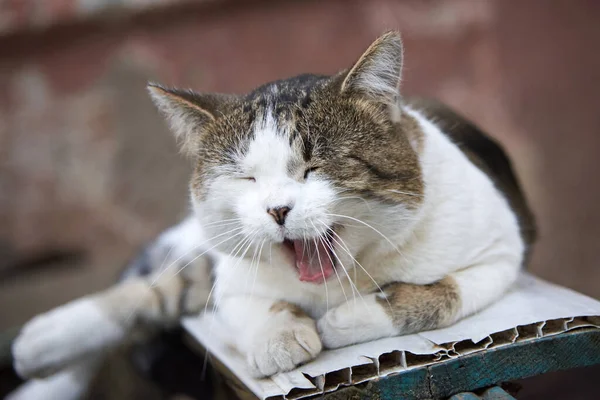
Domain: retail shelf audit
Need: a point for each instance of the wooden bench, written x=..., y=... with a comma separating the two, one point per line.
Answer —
x=469, y=377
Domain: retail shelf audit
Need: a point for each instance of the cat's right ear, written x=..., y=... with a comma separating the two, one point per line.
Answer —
x=187, y=112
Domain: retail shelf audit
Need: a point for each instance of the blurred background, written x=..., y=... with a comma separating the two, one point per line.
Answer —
x=88, y=171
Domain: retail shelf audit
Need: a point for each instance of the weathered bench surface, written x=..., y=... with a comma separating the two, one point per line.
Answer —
x=468, y=377
x=483, y=369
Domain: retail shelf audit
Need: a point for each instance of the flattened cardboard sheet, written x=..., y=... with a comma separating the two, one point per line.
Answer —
x=532, y=309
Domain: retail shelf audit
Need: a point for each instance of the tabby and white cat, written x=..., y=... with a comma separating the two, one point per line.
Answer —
x=331, y=211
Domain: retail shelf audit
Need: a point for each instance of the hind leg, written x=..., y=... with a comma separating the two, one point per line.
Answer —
x=71, y=383
x=56, y=339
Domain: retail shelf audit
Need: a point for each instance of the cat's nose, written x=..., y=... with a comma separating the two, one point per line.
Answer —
x=279, y=213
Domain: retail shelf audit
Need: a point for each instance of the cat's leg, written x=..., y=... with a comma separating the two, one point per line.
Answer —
x=94, y=323
x=53, y=340
x=405, y=308
x=274, y=336
x=69, y=384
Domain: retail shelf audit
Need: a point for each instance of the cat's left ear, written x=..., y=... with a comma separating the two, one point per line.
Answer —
x=188, y=113
x=377, y=73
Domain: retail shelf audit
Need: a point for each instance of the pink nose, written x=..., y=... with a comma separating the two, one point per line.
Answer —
x=279, y=214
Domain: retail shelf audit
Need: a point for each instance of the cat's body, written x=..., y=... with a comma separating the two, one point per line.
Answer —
x=331, y=212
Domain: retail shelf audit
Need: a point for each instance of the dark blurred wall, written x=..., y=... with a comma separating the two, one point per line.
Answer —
x=88, y=171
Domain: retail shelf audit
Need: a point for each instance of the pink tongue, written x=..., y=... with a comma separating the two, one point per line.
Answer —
x=308, y=264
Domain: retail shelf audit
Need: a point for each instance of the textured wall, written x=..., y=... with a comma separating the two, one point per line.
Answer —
x=20, y=15
x=88, y=171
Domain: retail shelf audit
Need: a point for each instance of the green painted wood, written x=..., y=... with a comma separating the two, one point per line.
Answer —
x=521, y=360
x=487, y=368
x=408, y=386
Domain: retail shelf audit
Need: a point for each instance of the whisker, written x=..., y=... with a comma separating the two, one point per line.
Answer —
x=220, y=221
x=238, y=262
x=345, y=248
x=240, y=244
x=201, y=254
x=188, y=252
x=247, y=239
x=248, y=243
x=251, y=267
x=352, y=285
x=154, y=282
x=374, y=229
x=353, y=197
x=321, y=266
x=218, y=277
x=406, y=193
x=323, y=272
x=159, y=275
x=162, y=264
x=257, y=264
x=332, y=263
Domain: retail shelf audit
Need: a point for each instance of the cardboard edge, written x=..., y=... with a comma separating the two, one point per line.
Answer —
x=399, y=361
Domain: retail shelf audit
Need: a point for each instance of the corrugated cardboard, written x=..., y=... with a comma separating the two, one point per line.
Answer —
x=532, y=309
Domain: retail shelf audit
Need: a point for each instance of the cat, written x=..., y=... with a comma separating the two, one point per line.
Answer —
x=326, y=211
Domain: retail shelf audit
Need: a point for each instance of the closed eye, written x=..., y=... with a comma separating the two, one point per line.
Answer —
x=308, y=171
x=248, y=178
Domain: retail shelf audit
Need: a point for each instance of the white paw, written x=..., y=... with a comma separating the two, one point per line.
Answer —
x=55, y=339
x=283, y=347
x=355, y=322
x=69, y=384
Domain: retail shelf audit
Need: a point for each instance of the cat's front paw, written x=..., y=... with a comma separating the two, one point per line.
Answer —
x=53, y=340
x=282, y=347
x=355, y=322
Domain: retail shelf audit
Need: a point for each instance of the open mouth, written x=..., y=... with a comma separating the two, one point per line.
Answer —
x=314, y=257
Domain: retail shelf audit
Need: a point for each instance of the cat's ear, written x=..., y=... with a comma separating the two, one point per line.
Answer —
x=377, y=73
x=187, y=112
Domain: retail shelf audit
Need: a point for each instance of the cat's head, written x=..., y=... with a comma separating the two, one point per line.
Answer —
x=319, y=168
